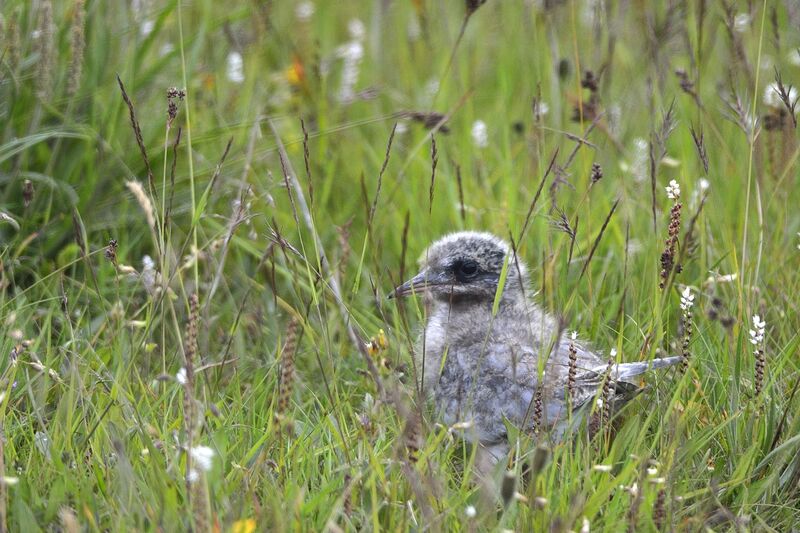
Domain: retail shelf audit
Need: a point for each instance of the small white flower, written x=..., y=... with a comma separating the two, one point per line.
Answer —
x=541, y=109
x=741, y=22
x=673, y=190
x=304, y=11
x=356, y=29
x=652, y=471
x=658, y=480
x=585, y=526
x=192, y=476
x=470, y=511
x=574, y=335
x=602, y=468
x=687, y=299
x=703, y=184
x=351, y=54
x=480, y=134
x=146, y=28
x=180, y=377
x=203, y=457
x=599, y=402
x=757, y=334
x=235, y=68
x=613, y=353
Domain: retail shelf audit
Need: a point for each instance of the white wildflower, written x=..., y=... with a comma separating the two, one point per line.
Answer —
x=741, y=22
x=673, y=190
x=235, y=68
x=757, y=333
x=304, y=11
x=585, y=525
x=541, y=109
x=652, y=471
x=687, y=299
x=192, y=476
x=180, y=377
x=703, y=184
x=351, y=54
x=356, y=29
x=480, y=134
x=146, y=27
x=574, y=335
x=203, y=457
x=470, y=511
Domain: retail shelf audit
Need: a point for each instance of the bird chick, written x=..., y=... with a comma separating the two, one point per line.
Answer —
x=482, y=367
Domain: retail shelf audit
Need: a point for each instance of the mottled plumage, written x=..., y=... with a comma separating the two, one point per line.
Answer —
x=482, y=368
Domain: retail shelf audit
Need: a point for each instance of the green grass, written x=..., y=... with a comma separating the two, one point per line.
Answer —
x=92, y=417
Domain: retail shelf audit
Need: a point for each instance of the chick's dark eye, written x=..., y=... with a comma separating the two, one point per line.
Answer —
x=465, y=270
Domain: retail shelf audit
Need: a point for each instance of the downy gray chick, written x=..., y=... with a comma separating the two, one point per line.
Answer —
x=481, y=369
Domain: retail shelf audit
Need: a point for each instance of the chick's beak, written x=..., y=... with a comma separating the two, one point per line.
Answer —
x=420, y=283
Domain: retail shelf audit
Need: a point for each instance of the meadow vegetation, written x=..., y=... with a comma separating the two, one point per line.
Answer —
x=203, y=206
